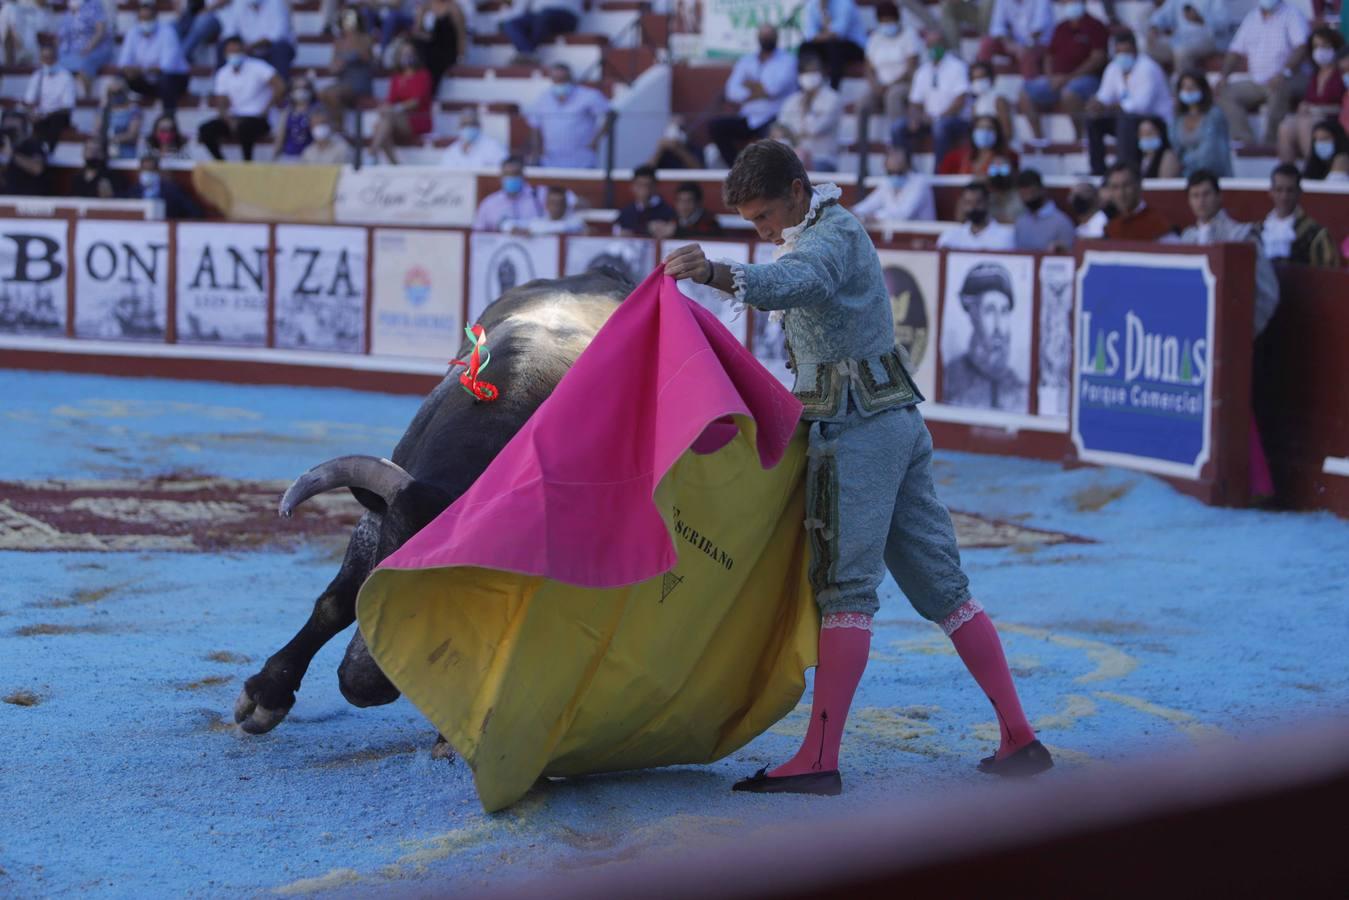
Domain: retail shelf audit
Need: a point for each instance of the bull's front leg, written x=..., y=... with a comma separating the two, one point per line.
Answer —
x=269, y=695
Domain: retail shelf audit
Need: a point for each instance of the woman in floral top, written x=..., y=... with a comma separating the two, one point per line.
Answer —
x=85, y=40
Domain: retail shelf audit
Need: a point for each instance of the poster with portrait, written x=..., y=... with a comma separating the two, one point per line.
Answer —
x=911, y=280
x=222, y=283
x=1053, y=393
x=709, y=298
x=320, y=287
x=417, y=293
x=768, y=341
x=499, y=262
x=121, y=280
x=986, y=331
x=634, y=257
x=33, y=260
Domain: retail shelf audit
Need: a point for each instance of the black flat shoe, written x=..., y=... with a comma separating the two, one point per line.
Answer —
x=1031, y=759
x=824, y=783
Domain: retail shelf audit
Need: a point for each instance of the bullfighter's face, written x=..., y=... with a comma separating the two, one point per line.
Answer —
x=771, y=217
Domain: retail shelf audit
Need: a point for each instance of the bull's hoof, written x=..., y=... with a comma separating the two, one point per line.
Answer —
x=261, y=705
x=442, y=749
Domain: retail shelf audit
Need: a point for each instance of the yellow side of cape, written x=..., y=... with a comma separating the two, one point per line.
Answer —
x=527, y=677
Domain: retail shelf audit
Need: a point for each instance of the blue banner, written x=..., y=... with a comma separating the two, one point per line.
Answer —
x=1142, y=370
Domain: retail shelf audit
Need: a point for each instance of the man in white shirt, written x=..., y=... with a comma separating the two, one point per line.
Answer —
x=977, y=231
x=472, y=149
x=904, y=195
x=1273, y=39
x=811, y=117
x=892, y=56
x=1183, y=34
x=1132, y=86
x=151, y=58
x=568, y=122
x=760, y=83
x=244, y=90
x=49, y=99
x=1019, y=30
x=556, y=218
x=938, y=100
x=265, y=28
x=536, y=22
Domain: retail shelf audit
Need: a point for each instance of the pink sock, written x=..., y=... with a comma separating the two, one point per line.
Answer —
x=845, y=641
x=976, y=640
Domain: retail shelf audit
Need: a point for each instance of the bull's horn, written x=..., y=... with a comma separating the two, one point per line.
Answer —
x=379, y=476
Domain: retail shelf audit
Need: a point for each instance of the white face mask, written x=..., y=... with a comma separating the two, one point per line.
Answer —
x=1270, y=5
x=322, y=131
x=1074, y=10
x=1323, y=56
x=809, y=81
x=674, y=133
x=980, y=86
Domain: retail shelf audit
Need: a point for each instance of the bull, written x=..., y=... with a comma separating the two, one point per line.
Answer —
x=535, y=332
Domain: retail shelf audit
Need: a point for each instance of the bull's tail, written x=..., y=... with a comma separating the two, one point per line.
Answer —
x=371, y=480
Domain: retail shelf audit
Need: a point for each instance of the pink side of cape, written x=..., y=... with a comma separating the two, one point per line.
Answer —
x=570, y=497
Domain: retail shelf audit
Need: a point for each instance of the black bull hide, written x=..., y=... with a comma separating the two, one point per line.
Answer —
x=535, y=333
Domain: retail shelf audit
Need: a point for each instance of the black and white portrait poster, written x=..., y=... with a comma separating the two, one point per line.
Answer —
x=121, y=280
x=498, y=262
x=634, y=257
x=911, y=280
x=768, y=342
x=33, y=261
x=418, y=293
x=1053, y=393
x=986, y=331
x=222, y=283
x=320, y=288
x=720, y=305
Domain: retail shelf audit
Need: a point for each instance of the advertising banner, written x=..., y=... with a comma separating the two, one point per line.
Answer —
x=418, y=293
x=986, y=331
x=222, y=283
x=320, y=288
x=634, y=257
x=709, y=298
x=121, y=280
x=405, y=195
x=33, y=259
x=501, y=261
x=1056, y=341
x=1143, y=374
x=911, y=279
x=729, y=27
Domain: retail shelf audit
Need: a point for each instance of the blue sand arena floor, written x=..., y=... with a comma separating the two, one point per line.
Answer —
x=122, y=773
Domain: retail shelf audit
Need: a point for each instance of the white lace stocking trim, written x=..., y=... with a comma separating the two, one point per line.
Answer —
x=847, y=620
x=967, y=610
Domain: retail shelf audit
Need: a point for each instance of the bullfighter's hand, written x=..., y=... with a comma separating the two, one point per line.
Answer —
x=688, y=262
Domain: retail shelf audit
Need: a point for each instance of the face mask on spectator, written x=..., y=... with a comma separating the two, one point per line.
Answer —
x=1324, y=149
x=147, y=27
x=984, y=138
x=674, y=133
x=234, y=59
x=937, y=53
x=898, y=180
x=1000, y=170
x=809, y=81
x=1080, y=203
x=513, y=184
x=165, y=137
x=321, y=131
x=300, y=95
x=561, y=91
x=1150, y=144
x=1191, y=96
x=469, y=133
x=980, y=86
x=1126, y=61
x=1345, y=78
x=1074, y=10
x=1323, y=56
x=888, y=29
x=1270, y=5
x=149, y=180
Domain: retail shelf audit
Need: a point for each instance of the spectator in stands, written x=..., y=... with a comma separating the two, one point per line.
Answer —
x=903, y=196
x=198, y=25
x=388, y=19
x=675, y=149
x=647, y=206
x=1156, y=159
x=1019, y=30
x=267, y=33
x=557, y=218
x=472, y=149
x=1071, y=73
x=85, y=41
x=834, y=34
x=1199, y=131
x=1322, y=100
x=440, y=34
x=538, y=21
x=1273, y=39
x=49, y=98
x=120, y=121
x=759, y=83
x=1089, y=213
x=568, y=122
x=938, y=101
x=152, y=185
x=165, y=140
x=1184, y=34
x=1329, y=156
x=245, y=89
x=811, y=117
x=94, y=179
x=21, y=21
x=1004, y=203
x=1043, y=226
x=892, y=55
x=515, y=202
x=406, y=113
x=1132, y=86
x=988, y=100
x=294, y=135
x=328, y=147
x=151, y=58
x=1288, y=233
x=985, y=142
x=25, y=165
x=692, y=220
x=1136, y=220
x=353, y=64
x=977, y=231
